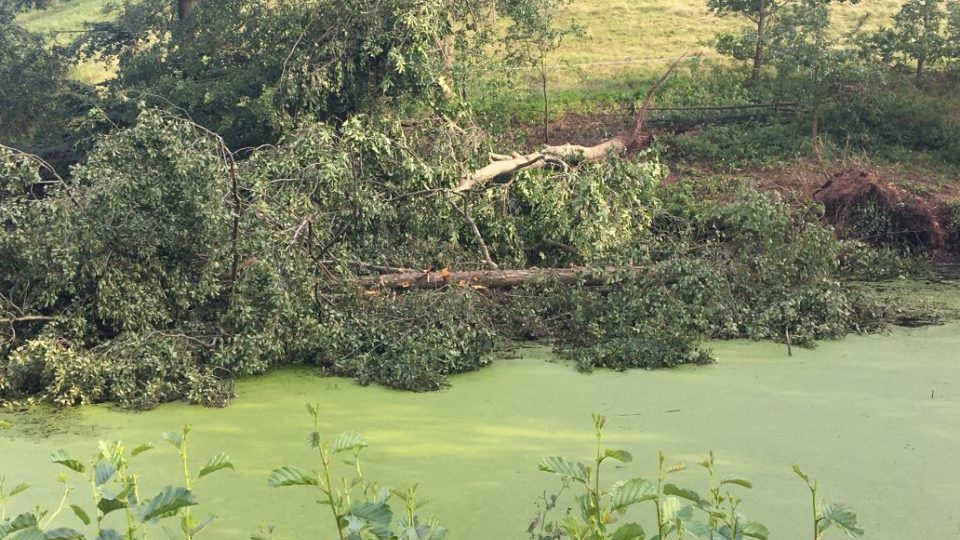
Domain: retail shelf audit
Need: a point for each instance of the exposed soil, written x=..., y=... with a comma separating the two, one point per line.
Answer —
x=912, y=219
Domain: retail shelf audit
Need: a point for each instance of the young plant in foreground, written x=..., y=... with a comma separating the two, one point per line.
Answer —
x=114, y=487
x=675, y=506
x=359, y=508
x=826, y=514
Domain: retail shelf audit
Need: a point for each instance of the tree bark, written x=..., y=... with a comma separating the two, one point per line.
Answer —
x=493, y=279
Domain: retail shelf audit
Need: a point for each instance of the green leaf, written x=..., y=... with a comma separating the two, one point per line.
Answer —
x=841, y=517
x=64, y=533
x=631, y=492
x=4, y=424
x=216, y=463
x=19, y=523
x=573, y=526
x=737, y=481
x=63, y=458
x=629, y=531
x=683, y=493
x=620, y=455
x=110, y=504
x=103, y=472
x=81, y=514
x=375, y=513
x=169, y=500
x=349, y=440
x=30, y=533
x=174, y=438
x=754, y=530
x=290, y=476
x=108, y=534
x=19, y=488
x=669, y=508
x=141, y=449
x=564, y=467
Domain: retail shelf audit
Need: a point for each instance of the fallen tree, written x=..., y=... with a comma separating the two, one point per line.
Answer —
x=493, y=279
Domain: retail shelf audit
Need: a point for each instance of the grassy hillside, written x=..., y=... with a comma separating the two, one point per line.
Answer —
x=67, y=16
x=648, y=31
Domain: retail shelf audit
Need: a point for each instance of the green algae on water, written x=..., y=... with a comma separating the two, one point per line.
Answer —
x=875, y=418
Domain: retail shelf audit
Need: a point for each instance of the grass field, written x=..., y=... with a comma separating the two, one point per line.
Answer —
x=67, y=16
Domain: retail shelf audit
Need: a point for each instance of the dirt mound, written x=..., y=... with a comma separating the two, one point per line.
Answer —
x=861, y=204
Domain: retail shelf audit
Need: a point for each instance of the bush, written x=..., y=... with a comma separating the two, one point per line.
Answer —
x=738, y=145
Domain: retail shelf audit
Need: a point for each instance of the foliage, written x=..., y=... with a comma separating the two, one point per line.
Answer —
x=248, y=69
x=599, y=510
x=360, y=509
x=733, y=147
x=165, y=268
x=534, y=33
x=918, y=33
x=40, y=108
x=826, y=515
x=115, y=487
x=768, y=17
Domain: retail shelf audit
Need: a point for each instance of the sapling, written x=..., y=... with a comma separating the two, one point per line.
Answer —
x=826, y=514
x=367, y=512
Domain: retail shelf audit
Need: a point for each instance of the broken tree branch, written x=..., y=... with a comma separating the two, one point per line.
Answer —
x=476, y=232
x=504, y=166
x=26, y=318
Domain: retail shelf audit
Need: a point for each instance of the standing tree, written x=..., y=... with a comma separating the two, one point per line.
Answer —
x=918, y=33
x=953, y=30
x=752, y=44
x=801, y=47
x=533, y=35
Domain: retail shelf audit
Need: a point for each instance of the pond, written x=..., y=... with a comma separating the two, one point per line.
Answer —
x=875, y=418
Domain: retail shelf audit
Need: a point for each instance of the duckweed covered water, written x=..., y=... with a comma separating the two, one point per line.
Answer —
x=875, y=418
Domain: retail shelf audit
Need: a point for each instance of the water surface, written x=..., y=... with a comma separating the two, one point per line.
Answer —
x=875, y=418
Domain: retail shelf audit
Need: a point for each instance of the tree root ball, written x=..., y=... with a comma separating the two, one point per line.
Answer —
x=859, y=203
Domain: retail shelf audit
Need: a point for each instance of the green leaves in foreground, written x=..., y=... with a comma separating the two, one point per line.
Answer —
x=681, y=512
x=289, y=475
x=359, y=508
x=565, y=467
x=826, y=515
x=167, y=502
x=63, y=458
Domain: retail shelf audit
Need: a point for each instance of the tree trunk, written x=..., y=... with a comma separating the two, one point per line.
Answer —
x=184, y=15
x=815, y=111
x=758, y=49
x=919, y=73
x=184, y=7
x=492, y=279
x=546, y=104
